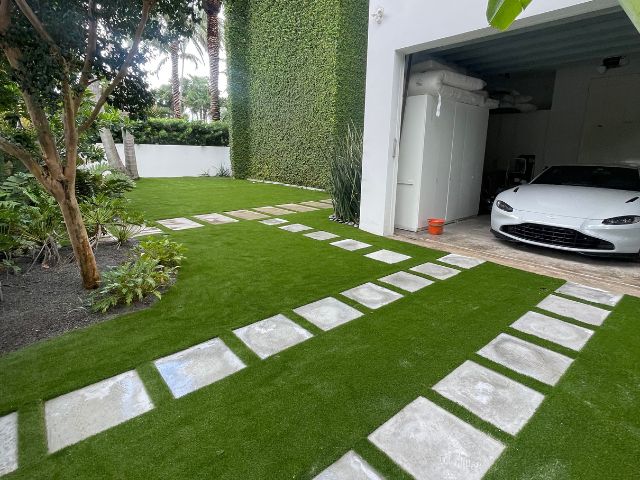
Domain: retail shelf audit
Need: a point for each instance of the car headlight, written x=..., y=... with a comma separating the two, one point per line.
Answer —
x=626, y=220
x=504, y=206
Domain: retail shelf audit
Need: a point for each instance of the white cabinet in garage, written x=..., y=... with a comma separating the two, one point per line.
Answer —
x=440, y=162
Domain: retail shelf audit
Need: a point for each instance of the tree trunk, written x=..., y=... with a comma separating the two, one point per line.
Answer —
x=130, y=154
x=79, y=239
x=110, y=151
x=176, y=101
x=212, y=8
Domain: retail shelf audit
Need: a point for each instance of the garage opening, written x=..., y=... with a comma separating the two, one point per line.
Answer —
x=484, y=116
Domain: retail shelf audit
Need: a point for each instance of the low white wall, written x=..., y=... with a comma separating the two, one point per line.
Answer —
x=178, y=160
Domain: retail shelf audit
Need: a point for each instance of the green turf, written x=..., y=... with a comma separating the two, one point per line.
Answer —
x=292, y=415
x=162, y=198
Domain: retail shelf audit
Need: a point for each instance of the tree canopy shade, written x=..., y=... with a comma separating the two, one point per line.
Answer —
x=502, y=13
x=53, y=51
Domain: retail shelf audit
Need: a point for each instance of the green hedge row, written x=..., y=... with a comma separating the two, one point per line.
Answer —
x=296, y=80
x=174, y=131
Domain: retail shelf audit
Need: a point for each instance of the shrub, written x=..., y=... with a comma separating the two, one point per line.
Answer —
x=130, y=281
x=167, y=253
x=102, y=179
x=346, y=176
x=223, y=171
x=175, y=131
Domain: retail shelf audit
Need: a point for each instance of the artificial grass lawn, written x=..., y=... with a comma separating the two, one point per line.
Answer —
x=162, y=198
x=292, y=415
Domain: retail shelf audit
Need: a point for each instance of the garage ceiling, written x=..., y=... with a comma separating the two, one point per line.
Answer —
x=589, y=37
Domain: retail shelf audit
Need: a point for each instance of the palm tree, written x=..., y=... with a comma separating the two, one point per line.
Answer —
x=212, y=9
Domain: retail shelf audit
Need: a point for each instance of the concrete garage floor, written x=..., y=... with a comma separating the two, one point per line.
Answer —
x=472, y=237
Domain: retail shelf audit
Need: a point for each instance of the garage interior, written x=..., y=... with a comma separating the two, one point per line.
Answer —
x=565, y=92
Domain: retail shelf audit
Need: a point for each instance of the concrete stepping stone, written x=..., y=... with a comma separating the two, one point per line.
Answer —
x=406, y=281
x=328, y=313
x=387, y=256
x=273, y=210
x=350, y=244
x=215, y=218
x=326, y=200
x=554, y=330
x=436, y=271
x=247, y=214
x=430, y=443
x=321, y=235
x=74, y=416
x=315, y=204
x=297, y=208
x=296, y=227
x=350, y=467
x=196, y=367
x=372, y=295
x=143, y=231
x=495, y=398
x=461, y=261
x=8, y=443
x=573, y=309
x=590, y=294
x=179, y=223
x=526, y=358
x=272, y=335
x=274, y=221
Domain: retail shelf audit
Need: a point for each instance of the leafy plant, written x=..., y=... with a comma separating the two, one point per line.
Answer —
x=223, y=171
x=346, y=176
x=129, y=282
x=126, y=226
x=166, y=252
x=102, y=179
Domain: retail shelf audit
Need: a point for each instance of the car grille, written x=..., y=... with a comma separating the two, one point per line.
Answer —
x=558, y=236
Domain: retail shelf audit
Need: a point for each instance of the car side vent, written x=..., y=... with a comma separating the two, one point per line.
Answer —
x=631, y=200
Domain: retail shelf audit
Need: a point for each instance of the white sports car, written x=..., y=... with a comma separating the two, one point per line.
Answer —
x=593, y=210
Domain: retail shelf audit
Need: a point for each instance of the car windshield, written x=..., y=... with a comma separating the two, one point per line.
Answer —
x=618, y=178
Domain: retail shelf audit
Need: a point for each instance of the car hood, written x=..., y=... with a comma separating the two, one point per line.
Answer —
x=574, y=202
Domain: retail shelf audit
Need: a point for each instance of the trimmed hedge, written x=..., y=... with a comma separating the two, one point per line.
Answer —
x=296, y=80
x=174, y=131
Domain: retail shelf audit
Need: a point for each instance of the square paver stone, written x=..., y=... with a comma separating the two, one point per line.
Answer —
x=328, y=313
x=436, y=271
x=273, y=210
x=143, y=230
x=8, y=443
x=198, y=366
x=74, y=416
x=461, y=261
x=590, y=294
x=321, y=235
x=495, y=398
x=296, y=227
x=179, y=223
x=350, y=467
x=406, y=281
x=315, y=204
x=247, y=214
x=372, y=295
x=296, y=208
x=554, y=330
x=349, y=244
x=387, y=256
x=215, y=218
x=272, y=335
x=274, y=221
x=573, y=309
x=430, y=443
x=526, y=358
x=326, y=200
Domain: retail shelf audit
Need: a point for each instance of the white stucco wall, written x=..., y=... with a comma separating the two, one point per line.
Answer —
x=178, y=160
x=409, y=26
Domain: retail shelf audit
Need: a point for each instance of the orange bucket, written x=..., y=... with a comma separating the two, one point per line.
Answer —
x=436, y=226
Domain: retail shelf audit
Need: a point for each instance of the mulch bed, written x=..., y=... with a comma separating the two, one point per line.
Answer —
x=46, y=302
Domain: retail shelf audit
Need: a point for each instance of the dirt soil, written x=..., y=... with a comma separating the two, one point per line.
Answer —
x=46, y=302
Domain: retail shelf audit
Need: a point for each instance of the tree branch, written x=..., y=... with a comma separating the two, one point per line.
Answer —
x=146, y=8
x=89, y=54
x=23, y=155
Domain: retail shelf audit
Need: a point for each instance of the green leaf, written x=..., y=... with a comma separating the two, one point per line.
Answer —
x=632, y=8
x=502, y=13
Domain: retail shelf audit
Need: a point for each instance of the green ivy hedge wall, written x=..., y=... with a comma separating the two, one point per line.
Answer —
x=296, y=80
